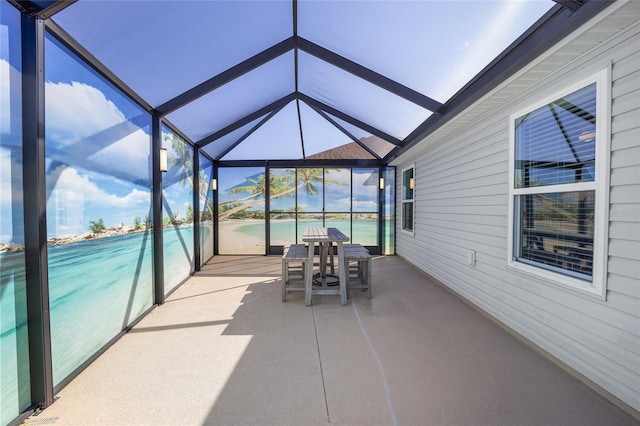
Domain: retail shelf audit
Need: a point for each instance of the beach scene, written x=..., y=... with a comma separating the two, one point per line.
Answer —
x=346, y=199
x=99, y=210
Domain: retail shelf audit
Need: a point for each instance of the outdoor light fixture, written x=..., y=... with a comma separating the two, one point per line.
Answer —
x=411, y=183
x=163, y=159
x=381, y=182
x=214, y=184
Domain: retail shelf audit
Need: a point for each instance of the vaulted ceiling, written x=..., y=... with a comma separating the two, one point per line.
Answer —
x=298, y=80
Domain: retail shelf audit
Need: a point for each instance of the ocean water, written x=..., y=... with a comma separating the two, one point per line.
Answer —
x=364, y=232
x=96, y=288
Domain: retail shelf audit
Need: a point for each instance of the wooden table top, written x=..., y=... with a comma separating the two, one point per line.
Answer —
x=324, y=234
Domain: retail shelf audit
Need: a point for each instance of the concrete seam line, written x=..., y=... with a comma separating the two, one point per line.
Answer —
x=392, y=412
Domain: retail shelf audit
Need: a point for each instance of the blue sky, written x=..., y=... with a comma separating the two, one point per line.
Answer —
x=159, y=58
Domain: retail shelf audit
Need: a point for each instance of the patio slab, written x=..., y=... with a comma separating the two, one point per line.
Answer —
x=224, y=349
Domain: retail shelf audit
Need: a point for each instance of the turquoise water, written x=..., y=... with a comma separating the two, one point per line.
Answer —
x=96, y=289
x=364, y=232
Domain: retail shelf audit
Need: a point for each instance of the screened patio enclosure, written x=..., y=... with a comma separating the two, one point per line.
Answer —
x=141, y=138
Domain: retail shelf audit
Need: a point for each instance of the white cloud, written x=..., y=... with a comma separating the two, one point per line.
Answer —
x=8, y=74
x=78, y=111
x=81, y=188
x=130, y=153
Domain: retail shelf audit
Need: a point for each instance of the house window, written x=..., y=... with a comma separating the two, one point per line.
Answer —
x=408, y=182
x=557, y=186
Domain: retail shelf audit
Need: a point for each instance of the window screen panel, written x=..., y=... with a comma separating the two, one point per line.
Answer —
x=556, y=143
x=283, y=190
x=556, y=229
x=407, y=216
x=407, y=184
x=337, y=190
x=216, y=148
x=310, y=194
x=348, y=93
x=374, y=143
x=236, y=99
x=319, y=134
x=276, y=139
x=366, y=184
x=404, y=40
x=163, y=48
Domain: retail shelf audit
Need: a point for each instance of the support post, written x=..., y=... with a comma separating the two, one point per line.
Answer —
x=35, y=215
x=158, y=251
x=216, y=245
x=381, y=224
x=197, y=258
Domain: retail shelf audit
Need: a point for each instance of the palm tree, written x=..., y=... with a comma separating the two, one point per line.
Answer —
x=257, y=189
x=280, y=186
x=183, y=160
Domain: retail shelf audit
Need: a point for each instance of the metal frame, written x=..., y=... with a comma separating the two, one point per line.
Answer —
x=551, y=28
x=158, y=247
x=250, y=132
x=369, y=75
x=345, y=131
x=35, y=212
x=341, y=115
x=33, y=10
x=556, y=24
x=246, y=120
x=94, y=63
x=226, y=76
x=196, y=209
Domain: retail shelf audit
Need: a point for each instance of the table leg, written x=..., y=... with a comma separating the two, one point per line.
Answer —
x=324, y=250
x=308, y=279
x=342, y=275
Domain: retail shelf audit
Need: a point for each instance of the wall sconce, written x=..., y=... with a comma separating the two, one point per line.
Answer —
x=214, y=184
x=163, y=159
x=411, y=183
x=381, y=182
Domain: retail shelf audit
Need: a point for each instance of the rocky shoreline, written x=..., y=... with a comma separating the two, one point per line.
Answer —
x=114, y=231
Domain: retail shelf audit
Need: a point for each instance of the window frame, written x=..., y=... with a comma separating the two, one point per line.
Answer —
x=406, y=201
x=600, y=187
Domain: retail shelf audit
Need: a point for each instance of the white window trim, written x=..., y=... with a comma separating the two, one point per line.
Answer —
x=405, y=201
x=598, y=284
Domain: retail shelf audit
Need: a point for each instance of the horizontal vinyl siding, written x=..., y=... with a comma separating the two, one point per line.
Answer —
x=623, y=282
x=461, y=199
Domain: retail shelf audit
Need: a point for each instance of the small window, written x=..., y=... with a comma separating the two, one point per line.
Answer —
x=557, y=191
x=408, y=183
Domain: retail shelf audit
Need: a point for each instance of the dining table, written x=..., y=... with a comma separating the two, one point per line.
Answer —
x=325, y=238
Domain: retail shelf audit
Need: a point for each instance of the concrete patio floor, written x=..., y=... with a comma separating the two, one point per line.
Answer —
x=225, y=350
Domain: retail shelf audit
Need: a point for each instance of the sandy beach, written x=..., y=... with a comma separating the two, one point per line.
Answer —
x=232, y=241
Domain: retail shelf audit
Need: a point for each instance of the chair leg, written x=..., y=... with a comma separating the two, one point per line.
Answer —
x=369, y=279
x=285, y=278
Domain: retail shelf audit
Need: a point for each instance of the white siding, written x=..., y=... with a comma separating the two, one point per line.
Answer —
x=461, y=193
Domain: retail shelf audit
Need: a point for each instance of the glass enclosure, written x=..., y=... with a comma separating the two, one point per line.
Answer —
x=388, y=210
x=177, y=210
x=282, y=206
x=206, y=208
x=98, y=179
x=343, y=198
x=15, y=391
x=239, y=109
x=241, y=210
